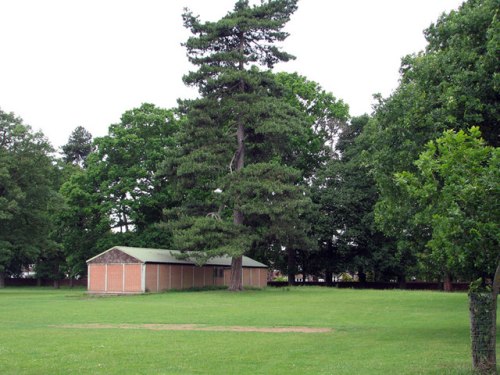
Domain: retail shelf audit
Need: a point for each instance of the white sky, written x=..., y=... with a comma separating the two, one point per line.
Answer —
x=66, y=63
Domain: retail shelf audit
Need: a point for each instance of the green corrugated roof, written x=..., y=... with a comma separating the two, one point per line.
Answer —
x=169, y=256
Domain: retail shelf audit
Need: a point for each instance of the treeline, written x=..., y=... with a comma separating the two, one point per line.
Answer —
x=272, y=166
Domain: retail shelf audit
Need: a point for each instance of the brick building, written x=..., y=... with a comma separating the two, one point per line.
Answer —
x=123, y=270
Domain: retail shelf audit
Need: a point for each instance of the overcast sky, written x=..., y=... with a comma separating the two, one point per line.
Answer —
x=66, y=63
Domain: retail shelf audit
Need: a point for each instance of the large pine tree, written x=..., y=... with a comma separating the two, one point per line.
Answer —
x=236, y=159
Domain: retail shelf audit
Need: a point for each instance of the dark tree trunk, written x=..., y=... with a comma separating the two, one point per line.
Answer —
x=402, y=281
x=291, y=266
x=38, y=282
x=447, y=285
x=71, y=282
x=56, y=284
x=235, y=284
x=361, y=276
x=2, y=280
x=328, y=278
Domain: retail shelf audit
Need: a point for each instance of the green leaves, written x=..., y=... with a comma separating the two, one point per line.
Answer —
x=456, y=192
x=27, y=194
x=451, y=85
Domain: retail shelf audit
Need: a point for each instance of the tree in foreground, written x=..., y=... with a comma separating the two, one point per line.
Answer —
x=242, y=155
x=456, y=192
x=453, y=84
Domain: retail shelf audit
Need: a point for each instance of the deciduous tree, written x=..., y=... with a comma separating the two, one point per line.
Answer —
x=453, y=84
x=26, y=194
x=456, y=192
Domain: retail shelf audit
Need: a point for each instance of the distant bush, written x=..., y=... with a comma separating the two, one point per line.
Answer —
x=280, y=278
x=345, y=277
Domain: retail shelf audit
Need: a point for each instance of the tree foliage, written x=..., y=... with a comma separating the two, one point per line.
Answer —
x=79, y=146
x=125, y=165
x=346, y=195
x=118, y=197
x=26, y=194
x=453, y=84
x=248, y=132
x=456, y=191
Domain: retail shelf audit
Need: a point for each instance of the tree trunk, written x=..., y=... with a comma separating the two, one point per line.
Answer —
x=482, y=307
x=236, y=262
x=483, y=326
x=328, y=278
x=402, y=281
x=291, y=265
x=447, y=285
x=71, y=282
x=2, y=280
x=236, y=284
x=56, y=284
x=361, y=276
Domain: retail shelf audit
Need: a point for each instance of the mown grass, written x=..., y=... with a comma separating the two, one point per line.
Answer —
x=374, y=332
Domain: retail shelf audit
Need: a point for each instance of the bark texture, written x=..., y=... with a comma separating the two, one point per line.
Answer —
x=237, y=262
x=483, y=311
x=235, y=284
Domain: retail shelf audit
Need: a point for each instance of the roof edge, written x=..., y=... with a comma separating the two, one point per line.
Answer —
x=125, y=248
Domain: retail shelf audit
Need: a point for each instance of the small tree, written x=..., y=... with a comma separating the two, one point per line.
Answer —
x=456, y=192
x=79, y=146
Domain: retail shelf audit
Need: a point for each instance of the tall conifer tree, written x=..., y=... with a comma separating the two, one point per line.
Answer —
x=238, y=140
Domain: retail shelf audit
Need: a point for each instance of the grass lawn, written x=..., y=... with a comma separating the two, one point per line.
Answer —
x=372, y=332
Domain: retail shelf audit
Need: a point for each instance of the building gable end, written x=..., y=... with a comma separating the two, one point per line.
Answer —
x=114, y=256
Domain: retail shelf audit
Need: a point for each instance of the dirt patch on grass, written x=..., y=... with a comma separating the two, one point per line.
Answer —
x=199, y=327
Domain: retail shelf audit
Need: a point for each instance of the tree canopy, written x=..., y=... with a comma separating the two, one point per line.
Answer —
x=453, y=84
x=26, y=191
x=456, y=191
x=270, y=164
x=252, y=186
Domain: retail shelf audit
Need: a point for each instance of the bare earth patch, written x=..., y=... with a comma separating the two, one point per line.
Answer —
x=198, y=327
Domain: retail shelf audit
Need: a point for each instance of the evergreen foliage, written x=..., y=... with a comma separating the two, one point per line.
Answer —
x=241, y=169
x=78, y=147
